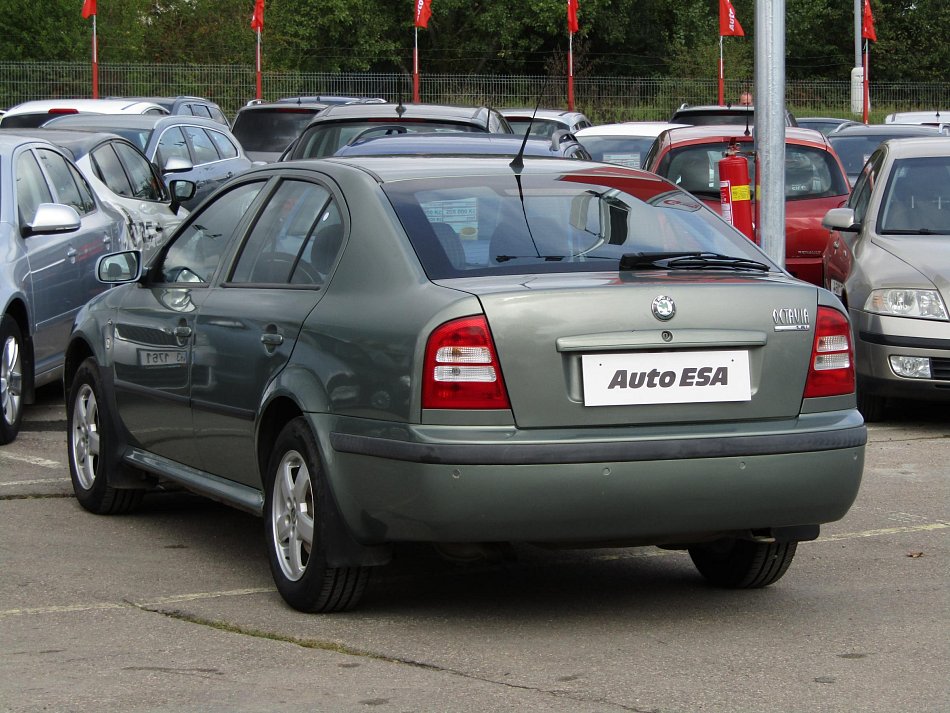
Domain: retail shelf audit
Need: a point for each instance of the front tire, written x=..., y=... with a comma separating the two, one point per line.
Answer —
x=11, y=379
x=742, y=564
x=296, y=495
x=90, y=447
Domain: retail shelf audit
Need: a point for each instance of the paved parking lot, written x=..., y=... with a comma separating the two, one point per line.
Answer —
x=173, y=609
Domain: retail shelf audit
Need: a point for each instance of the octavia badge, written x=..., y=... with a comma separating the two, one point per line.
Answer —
x=664, y=308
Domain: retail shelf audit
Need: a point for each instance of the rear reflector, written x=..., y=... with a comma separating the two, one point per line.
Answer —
x=831, y=369
x=63, y=111
x=461, y=368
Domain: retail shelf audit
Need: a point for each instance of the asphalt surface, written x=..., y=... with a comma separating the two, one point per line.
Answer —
x=173, y=609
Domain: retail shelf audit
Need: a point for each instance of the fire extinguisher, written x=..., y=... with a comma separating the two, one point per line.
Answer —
x=735, y=193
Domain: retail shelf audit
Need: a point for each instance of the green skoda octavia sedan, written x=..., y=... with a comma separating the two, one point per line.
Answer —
x=468, y=351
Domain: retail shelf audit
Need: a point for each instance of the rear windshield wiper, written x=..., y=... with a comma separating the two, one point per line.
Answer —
x=689, y=261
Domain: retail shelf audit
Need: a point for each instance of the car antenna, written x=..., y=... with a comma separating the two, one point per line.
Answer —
x=517, y=163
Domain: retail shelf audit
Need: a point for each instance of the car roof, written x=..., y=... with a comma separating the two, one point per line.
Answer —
x=917, y=117
x=918, y=147
x=282, y=106
x=457, y=143
x=398, y=168
x=131, y=121
x=329, y=99
x=168, y=102
x=11, y=139
x=725, y=132
x=527, y=113
x=885, y=129
x=78, y=143
x=469, y=114
x=629, y=128
x=92, y=106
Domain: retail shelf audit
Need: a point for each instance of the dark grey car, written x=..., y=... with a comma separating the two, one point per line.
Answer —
x=368, y=351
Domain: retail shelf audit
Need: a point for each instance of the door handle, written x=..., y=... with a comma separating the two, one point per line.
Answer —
x=181, y=333
x=71, y=254
x=269, y=339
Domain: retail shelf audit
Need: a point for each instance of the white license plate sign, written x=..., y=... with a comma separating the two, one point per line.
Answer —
x=666, y=378
x=165, y=357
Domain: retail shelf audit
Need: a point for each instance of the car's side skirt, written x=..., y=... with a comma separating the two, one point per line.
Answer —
x=214, y=487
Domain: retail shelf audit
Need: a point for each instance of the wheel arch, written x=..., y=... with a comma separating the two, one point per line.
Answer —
x=342, y=549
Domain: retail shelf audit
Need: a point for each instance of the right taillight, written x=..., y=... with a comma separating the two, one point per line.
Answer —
x=831, y=369
x=461, y=368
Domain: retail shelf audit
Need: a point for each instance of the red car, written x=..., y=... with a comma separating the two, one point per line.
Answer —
x=815, y=182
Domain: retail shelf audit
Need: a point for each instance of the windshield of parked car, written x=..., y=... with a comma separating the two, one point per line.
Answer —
x=810, y=172
x=543, y=128
x=623, y=150
x=326, y=138
x=543, y=223
x=916, y=200
x=270, y=130
x=854, y=151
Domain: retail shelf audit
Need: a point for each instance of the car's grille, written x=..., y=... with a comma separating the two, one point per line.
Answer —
x=940, y=369
x=145, y=336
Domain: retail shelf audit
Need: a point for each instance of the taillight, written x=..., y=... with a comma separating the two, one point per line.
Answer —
x=831, y=370
x=461, y=368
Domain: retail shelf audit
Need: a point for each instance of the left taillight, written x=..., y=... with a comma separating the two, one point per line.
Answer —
x=831, y=369
x=461, y=368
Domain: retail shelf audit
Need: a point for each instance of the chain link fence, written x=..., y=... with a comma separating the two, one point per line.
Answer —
x=603, y=99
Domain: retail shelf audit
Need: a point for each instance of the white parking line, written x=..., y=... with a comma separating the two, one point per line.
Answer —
x=32, y=460
x=40, y=481
x=198, y=596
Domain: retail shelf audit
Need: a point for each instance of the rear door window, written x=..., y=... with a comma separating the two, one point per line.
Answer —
x=172, y=144
x=109, y=169
x=201, y=144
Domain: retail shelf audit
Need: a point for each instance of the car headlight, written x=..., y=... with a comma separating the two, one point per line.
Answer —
x=923, y=304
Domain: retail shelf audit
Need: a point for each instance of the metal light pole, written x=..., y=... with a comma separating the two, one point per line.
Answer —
x=770, y=124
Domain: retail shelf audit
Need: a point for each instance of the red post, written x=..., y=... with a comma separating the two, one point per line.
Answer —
x=570, y=75
x=260, y=93
x=866, y=98
x=95, y=61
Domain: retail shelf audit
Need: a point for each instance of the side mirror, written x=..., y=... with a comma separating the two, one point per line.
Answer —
x=177, y=165
x=52, y=218
x=841, y=219
x=118, y=268
x=181, y=190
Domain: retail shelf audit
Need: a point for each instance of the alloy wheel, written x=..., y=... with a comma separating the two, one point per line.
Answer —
x=11, y=380
x=292, y=515
x=85, y=436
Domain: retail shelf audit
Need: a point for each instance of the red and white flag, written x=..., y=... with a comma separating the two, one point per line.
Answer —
x=728, y=24
x=572, y=25
x=257, y=19
x=423, y=12
x=867, y=23
x=88, y=9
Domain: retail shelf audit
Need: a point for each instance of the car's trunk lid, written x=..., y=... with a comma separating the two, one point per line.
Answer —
x=580, y=349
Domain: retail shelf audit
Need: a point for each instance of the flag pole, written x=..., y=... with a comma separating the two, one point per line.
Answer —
x=95, y=61
x=866, y=98
x=260, y=93
x=722, y=92
x=415, y=68
x=570, y=71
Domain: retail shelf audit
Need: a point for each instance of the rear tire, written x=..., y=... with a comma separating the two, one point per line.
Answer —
x=742, y=564
x=11, y=379
x=871, y=406
x=91, y=447
x=295, y=497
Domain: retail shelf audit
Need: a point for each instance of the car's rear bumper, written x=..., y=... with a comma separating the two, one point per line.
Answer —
x=430, y=483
